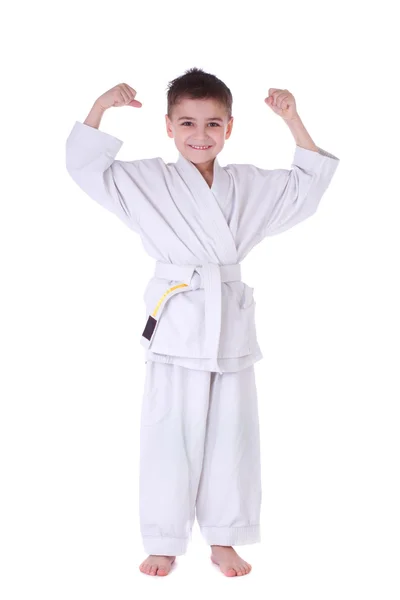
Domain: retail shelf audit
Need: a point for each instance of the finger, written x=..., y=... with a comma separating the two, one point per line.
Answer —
x=276, y=95
x=286, y=101
x=276, y=92
x=132, y=95
x=124, y=96
x=272, y=95
x=127, y=92
x=283, y=101
x=133, y=92
x=280, y=96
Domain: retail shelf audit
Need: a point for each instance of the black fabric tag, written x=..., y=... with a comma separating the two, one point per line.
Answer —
x=149, y=329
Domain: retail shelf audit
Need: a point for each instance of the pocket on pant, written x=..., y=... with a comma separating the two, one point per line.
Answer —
x=157, y=399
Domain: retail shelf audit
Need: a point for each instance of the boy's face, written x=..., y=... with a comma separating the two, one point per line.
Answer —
x=199, y=123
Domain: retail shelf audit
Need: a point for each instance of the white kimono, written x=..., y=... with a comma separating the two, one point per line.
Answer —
x=199, y=313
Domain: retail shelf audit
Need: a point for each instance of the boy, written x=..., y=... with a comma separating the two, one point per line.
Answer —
x=200, y=446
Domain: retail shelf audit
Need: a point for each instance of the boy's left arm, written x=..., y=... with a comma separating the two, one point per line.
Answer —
x=282, y=102
x=282, y=198
x=301, y=135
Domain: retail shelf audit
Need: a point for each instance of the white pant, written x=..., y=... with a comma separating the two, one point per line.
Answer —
x=199, y=451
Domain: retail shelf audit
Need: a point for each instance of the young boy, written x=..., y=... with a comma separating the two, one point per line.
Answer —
x=200, y=445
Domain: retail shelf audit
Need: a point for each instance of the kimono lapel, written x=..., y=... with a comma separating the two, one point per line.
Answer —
x=207, y=205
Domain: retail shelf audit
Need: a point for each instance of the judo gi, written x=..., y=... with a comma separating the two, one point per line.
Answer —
x=200, y=321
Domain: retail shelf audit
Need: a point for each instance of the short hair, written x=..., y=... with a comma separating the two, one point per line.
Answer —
x=197, y=84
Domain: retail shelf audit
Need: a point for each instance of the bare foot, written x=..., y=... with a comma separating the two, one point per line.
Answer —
x=157, y=565
x=229, y=561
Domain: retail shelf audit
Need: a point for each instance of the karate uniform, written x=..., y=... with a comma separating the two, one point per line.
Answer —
x=199, y=334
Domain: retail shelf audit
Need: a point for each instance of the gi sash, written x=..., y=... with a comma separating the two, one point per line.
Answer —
x=211, y=277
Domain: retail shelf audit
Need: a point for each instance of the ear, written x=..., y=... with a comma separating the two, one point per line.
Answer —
x=168, y=126
x=229, y=128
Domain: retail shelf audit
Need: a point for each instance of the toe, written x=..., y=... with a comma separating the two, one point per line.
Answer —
x=153, y=569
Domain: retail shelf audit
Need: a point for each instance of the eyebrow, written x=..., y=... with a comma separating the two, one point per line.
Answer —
x=193, y=119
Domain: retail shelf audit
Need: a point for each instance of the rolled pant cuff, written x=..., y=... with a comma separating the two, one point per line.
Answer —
x=165, y=546
x=231, y=536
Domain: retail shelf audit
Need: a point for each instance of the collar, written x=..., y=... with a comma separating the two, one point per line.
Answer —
x=187, y=165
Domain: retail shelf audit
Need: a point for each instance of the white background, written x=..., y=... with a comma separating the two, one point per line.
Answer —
x=72, y=368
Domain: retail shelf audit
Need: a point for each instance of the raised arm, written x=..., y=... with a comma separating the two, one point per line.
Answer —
x=94, y=117
x=281, y=198
x=90, y=159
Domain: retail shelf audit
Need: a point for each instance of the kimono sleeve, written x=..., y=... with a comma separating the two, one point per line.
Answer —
x=281, y=198
x=90, y=161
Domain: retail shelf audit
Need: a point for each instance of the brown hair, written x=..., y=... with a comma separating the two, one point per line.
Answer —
x=196, y=84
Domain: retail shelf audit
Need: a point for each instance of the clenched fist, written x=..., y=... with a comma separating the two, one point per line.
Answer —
x=282, y=103
x=120, y=95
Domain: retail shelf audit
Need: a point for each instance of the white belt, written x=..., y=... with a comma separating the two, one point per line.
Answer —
x=210, y=277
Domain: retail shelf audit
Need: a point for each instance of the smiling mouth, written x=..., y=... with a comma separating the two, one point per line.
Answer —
x=199, y=147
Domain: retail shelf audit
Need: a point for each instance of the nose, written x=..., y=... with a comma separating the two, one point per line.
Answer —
x=202, y=135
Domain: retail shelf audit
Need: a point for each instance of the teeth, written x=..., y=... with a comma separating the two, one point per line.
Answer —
x=200, y=147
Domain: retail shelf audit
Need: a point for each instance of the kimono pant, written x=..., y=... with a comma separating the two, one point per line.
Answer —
x=199, y=456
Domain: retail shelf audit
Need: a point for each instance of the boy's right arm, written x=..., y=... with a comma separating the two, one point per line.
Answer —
x=90, y=159
x=94, y=117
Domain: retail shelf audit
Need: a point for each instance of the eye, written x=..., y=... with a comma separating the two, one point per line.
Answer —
x=212, y=123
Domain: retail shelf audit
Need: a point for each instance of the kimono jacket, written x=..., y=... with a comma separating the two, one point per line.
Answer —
x=199, y=313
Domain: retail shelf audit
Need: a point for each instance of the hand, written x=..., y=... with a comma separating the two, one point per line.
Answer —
x=282, y=103
x=120, y=95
